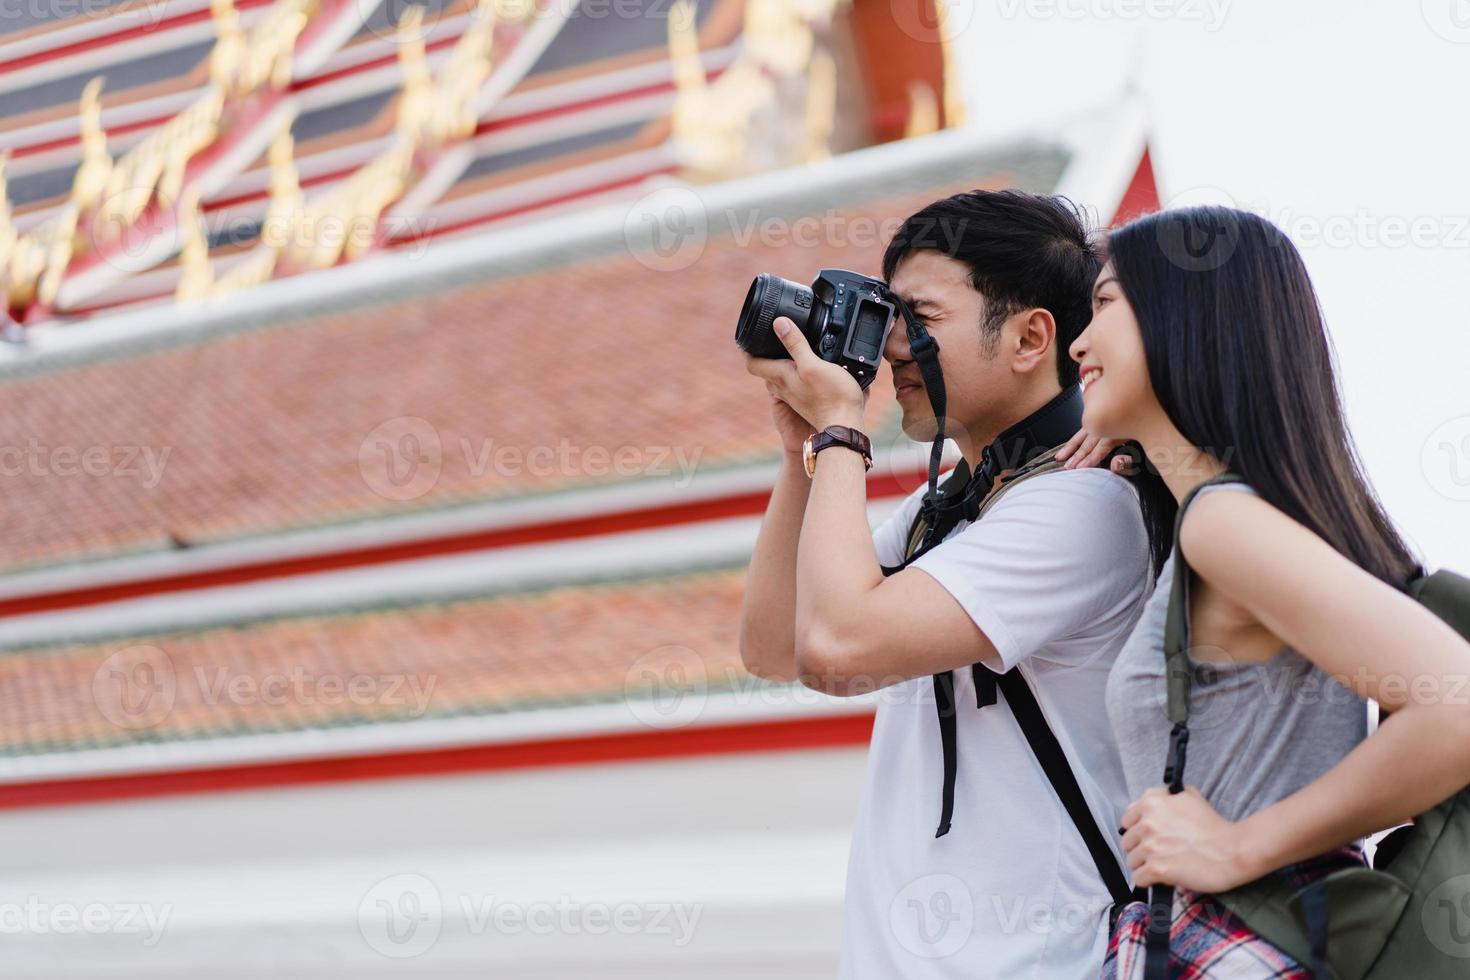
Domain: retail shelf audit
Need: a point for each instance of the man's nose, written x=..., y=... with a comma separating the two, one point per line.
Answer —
x=897, y=347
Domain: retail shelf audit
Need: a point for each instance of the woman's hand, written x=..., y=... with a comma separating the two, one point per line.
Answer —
x=1179, y=839
x=817, y=391
x=1084, y=449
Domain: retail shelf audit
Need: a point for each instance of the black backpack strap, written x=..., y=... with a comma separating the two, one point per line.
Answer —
x=949, y=744
x=1053, y=759
x=944, y=702
x=1039, y=736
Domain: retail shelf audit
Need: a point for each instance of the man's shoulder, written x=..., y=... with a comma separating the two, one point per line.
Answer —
x=1091, y=514
x=1088, y=488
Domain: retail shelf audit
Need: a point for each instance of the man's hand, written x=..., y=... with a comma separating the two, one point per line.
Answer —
x=819, y=392
x=793, y=428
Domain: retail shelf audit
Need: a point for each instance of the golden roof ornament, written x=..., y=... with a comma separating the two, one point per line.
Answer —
x=91, y=177
x=463, y=74
x=783, y=76
x=7, y=225
x=711, y=122
x=196, y=274
x=954, y=100
x=923, y=111
x=821, y=107
x=38, y=261
x=228, y=53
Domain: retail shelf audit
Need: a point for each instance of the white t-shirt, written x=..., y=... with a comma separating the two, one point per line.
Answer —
x=1055, y=574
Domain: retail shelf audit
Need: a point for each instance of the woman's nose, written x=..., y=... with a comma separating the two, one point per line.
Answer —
x=1078, y=350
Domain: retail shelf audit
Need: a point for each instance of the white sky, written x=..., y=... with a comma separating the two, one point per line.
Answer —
x=1346, y=122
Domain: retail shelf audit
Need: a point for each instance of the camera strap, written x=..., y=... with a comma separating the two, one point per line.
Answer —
x=1052, y=424
x=925, y=351
x=964, y=492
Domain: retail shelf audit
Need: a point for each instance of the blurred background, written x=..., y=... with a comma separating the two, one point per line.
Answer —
x=379, y=474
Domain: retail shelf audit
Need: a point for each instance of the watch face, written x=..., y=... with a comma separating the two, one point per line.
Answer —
x=809, y=458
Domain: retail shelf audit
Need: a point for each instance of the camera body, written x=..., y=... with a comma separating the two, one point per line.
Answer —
x=845, y=317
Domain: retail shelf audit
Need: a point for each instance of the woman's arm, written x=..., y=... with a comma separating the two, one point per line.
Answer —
x=1369, y=636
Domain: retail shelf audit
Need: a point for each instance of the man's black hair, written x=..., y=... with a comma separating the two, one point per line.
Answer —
x=1023, y=251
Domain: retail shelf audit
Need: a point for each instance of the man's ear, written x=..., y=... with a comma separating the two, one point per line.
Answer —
x=1032, y=343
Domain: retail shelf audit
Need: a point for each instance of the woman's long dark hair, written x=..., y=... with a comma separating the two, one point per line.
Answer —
x=1239, y=358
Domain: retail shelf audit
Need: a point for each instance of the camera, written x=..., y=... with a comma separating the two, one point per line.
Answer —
x=844, y=316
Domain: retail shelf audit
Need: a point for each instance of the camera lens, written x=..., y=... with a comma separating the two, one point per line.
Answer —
x=769, y=297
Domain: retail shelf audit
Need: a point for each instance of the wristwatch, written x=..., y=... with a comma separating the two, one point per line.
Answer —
x=835, y=435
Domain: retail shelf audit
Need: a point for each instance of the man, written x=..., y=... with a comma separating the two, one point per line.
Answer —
x=1049, y=581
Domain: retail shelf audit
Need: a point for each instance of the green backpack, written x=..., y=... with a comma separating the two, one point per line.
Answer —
x=1405, y=918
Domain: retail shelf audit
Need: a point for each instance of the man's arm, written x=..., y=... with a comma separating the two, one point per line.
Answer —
x=768, y=615
x=1063, y=555
x=856, y=630
x=1053, y=559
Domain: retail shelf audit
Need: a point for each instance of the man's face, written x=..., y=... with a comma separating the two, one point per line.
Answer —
x=937, y=289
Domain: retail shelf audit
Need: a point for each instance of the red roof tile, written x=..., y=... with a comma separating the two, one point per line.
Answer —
x=585, y=644
x=512, y=387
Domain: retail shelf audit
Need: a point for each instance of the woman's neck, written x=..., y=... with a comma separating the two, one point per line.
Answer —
x=1182, y=465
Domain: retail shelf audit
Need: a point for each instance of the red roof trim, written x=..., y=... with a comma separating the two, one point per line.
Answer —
x=643, y=518
x=763, y=736
x=141, y=30
x=1142, y=195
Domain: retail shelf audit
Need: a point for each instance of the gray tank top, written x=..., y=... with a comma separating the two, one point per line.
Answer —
x=1258, y=732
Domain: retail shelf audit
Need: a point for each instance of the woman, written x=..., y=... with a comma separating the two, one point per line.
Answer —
x=1207, y=346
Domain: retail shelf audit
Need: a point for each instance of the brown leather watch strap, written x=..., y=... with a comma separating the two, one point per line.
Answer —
x=840, y=435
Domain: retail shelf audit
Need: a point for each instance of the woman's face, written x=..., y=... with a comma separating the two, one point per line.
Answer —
x=1116, y=393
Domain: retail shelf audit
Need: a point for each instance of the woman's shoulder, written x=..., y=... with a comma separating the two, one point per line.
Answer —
x=1233, y=489
x=1220, y=519
x=1232, y=482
